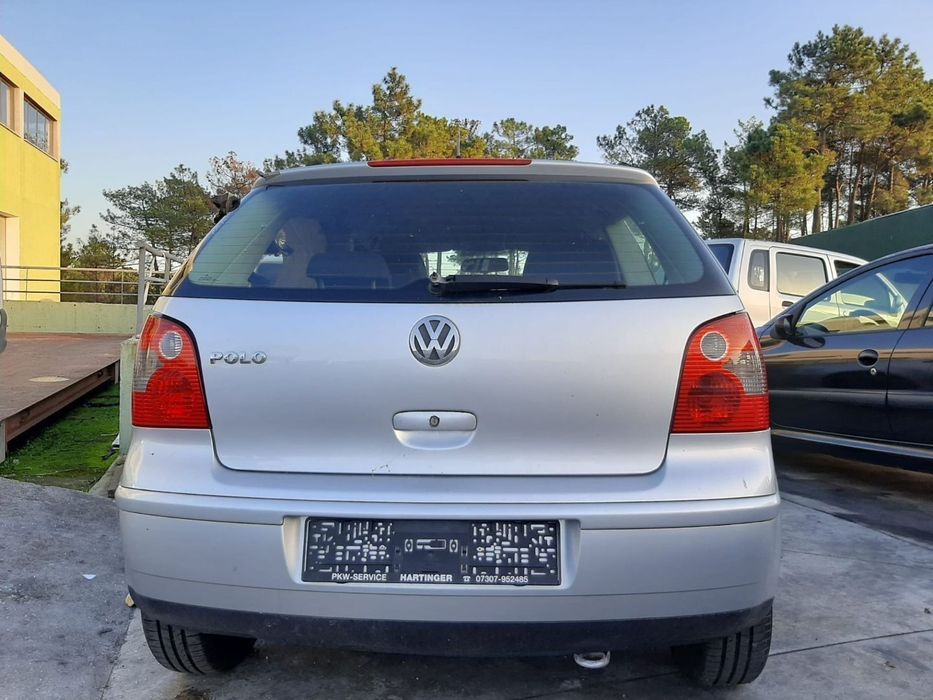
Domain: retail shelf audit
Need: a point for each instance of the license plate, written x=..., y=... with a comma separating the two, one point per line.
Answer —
x=478, y=552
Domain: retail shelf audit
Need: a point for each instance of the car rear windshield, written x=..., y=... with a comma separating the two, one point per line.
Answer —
x=484, y=240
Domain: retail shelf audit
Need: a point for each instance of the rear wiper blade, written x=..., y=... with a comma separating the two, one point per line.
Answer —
x=592, y=285
x=455, y=284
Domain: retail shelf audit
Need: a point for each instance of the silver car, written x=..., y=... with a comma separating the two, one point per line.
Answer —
x=453, y=407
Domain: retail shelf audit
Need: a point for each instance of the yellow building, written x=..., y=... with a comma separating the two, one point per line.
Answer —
x=30, y=177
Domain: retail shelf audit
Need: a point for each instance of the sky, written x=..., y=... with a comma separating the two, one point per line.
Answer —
x=148, y=85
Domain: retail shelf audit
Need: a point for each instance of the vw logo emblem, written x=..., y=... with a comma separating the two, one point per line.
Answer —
x=434, y=341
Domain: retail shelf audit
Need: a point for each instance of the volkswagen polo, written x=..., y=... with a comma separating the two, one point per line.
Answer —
x=453, y=407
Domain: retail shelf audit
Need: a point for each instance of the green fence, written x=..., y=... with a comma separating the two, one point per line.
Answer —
x=878, y=237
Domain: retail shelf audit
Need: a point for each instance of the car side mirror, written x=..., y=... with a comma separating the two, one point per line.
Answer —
x=783, y=327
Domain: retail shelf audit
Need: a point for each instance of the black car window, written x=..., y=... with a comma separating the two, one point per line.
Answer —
x=875, y=300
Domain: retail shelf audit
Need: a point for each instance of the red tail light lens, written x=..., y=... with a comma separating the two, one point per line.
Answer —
x=167, y=389
x=723, y=388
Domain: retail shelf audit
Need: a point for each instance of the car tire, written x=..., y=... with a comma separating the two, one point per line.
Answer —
x=197, y=653
x=727, y=661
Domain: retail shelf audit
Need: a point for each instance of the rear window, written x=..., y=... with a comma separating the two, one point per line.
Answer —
x=382, y=242
x=723, y=253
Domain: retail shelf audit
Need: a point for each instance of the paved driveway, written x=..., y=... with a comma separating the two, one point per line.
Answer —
x=853, y=619
x=60, y=632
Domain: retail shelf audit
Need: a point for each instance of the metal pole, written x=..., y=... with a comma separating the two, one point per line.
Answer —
x=141, y=290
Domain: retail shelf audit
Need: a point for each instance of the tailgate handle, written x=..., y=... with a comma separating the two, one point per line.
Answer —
x=434, y=421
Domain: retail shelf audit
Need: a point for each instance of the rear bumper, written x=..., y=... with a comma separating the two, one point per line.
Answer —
x=622, y=583
x=455, y=638
x=685, y=551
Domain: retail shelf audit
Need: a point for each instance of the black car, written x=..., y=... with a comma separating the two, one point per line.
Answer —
x=850, y=367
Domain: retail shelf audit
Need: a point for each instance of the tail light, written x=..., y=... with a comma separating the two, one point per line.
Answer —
x=723, y=388
x=167, y=388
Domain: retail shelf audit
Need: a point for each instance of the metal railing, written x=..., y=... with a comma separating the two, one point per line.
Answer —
x=34, y=282
x=138, y=285
x=149, y=273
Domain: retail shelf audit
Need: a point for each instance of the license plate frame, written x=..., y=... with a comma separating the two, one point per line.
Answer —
x=432, y=552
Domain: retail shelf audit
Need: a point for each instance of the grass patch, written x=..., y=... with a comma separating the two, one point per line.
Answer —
x=71, y=449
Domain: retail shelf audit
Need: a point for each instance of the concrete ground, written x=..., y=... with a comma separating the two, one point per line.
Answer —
x=854, y=616
x=60, y=632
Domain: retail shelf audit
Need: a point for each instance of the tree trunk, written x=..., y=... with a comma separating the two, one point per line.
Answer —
x=850, y=197
x=803, y=223
x=870, y=202
x=838, y=199
x=855, y=184
x=818, y=209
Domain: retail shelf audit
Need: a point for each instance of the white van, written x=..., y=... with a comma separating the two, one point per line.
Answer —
x=770, y=276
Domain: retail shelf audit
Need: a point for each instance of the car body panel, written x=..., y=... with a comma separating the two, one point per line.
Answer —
x=881, y=452
x=173, y=489
x=597, y=383
x=183, y=462
x=460, y=638
x=822, y=386
x=607, y=574
x=910, y=383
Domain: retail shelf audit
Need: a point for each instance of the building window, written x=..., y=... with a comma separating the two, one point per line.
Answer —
x=6, y=104
x=38, y=128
